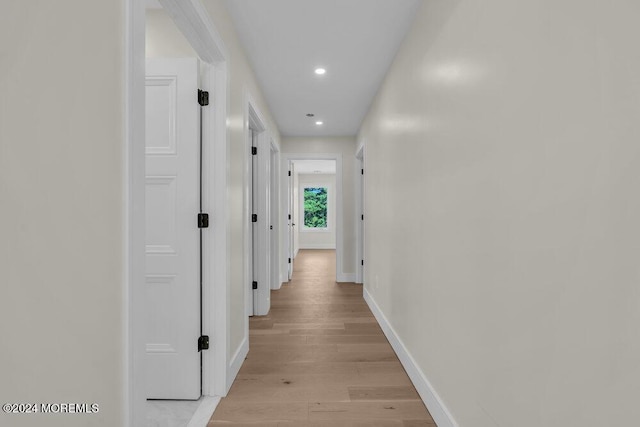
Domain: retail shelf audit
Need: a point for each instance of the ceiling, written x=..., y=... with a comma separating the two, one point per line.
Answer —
x=315, y=166
x=354, y=40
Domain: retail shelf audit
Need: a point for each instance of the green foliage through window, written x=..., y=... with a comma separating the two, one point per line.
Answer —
x=315, y=207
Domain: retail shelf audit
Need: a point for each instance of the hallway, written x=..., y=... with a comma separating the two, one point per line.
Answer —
x=320, y=359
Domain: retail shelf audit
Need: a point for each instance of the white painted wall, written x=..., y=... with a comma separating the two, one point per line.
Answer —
x=347, y=147
x=318, y=239
x=61, y=220
x=163, y=39
x=243, y=85
x=502, y=209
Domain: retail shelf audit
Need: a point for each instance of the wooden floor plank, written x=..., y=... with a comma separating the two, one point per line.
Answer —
x=358, y=423
x=383, y=393
x=242, y=411
x=318, y=359
x=367, y=410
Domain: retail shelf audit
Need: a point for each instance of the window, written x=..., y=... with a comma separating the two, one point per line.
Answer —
x=315, y=207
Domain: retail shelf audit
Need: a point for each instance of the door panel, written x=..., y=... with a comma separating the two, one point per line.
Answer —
x=254, y=225
x=297, y=215
x=291, y=217
x=172, y=236
x=276, y=278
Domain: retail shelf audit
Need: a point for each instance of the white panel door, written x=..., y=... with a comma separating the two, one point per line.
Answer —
x=255, y=253
x=290, y=219
x=172, y=236
x=274, y=227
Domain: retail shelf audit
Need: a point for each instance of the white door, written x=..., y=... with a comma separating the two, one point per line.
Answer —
x=274, y=225
x=290, y=218
x=172, y=234
x=254, y=221
x=360, y=266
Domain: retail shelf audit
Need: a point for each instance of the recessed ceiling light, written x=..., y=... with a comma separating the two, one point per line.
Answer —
x=320, y=71
x=319, y=123
x=310, y=114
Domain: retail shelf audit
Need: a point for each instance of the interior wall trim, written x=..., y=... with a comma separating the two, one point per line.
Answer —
x=236, y=362
x=428, y=394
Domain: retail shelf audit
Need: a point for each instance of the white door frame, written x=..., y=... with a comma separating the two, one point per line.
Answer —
x=359, y=187
x=193, y=20
x=286, y=158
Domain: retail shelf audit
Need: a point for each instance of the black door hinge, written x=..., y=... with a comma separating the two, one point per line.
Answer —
x=254, y=150
x=271, y=227
x=203, y=220
x=289, y=173
x=203, y=343
x=254, y=217
x=362, y=262
x=289, y=260
x=363, y=217
x=254, y=285
x=203, y=97
x=362, y=171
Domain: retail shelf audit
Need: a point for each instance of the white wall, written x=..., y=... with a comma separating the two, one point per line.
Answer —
x=243, y=85
x=318, y=239
x=502, y=209
x=163, y=39
x=61, y=227
x=347, y=147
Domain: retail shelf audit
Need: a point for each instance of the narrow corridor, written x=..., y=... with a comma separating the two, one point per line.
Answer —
x=320, y=359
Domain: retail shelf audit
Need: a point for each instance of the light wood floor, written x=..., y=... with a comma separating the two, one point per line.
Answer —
x=320, y=359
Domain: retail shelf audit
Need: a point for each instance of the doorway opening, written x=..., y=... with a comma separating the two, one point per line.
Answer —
x=259, y=257
x=313, y=207
x=165, y=203
x=175, y=107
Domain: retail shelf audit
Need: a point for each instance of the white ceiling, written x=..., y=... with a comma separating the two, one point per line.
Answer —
x=315, y=166
x=355, y=40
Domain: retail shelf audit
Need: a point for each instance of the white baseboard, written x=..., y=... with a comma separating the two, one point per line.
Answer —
x=205, y=410
x=346, y=277
x=236, y=362
x=432, y=401
x=317, y=246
